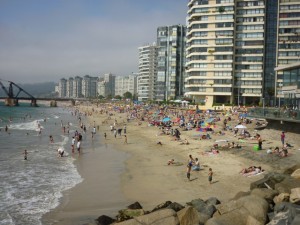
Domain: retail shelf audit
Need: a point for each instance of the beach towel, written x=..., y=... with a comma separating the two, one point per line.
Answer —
x=253, y=174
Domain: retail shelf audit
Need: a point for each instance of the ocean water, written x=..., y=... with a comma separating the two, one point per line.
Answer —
x=30, y=188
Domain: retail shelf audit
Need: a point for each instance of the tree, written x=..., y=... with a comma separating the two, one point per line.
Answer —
x=127, y=95
x=118, y=97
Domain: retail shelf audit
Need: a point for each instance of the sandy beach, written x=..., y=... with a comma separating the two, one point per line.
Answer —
x=145, y=175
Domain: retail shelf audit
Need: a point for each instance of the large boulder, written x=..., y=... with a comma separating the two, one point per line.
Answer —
x=295, y=196
x=159, y=217
x=267, y=194
x=212, y=201
x=162, y=206
x=252, y=205
x=105, y=220
x=126, y=214
x=287, y=184
x=241, y=194
x=285, y=213
x=235, y=217
x=291, y=169
x=135, y=205
x=188, y=216
x=283, y=197
x=296, y=174
x=175, y=206
x=202, y=207
x=269, y=179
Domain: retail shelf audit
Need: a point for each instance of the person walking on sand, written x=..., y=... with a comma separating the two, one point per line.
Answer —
x=25, y=154
x=210, y=175
x=105, y=135
x=188, y=170
x=282, y=137
x=125, y=139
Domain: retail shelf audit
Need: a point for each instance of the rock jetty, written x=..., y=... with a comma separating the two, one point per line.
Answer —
x=272, y=200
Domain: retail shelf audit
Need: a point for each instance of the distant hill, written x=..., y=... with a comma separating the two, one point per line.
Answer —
x=45, y=89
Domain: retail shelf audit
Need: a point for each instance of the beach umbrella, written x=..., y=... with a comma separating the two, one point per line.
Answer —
x=167, y=119
x=240, y=127
x=210, y=120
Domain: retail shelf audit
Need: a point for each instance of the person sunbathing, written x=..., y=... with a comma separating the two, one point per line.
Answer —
x=185, y=142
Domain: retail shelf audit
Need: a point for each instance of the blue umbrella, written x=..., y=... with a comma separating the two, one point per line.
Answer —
x=166, y=119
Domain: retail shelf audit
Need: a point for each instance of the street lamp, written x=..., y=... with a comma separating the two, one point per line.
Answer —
x=279, y=93
x=263, y=101
x=238, y=84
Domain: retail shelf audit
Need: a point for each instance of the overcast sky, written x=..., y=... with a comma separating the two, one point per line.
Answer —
x=45, y=40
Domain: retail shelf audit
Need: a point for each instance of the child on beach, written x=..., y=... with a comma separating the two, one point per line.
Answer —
x=210, y=174
x=105, y=135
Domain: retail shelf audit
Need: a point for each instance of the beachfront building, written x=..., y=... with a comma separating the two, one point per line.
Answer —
x=170, y=62
x=125, y=84
x=89, y=86
x=210, y=51
x=106, y=85
x=288, y=52
x=147, y=72
x=225, y=51
x=70, y=82
x=62, y=88
x=249, y=51
x=77, y=87
x=289, y=89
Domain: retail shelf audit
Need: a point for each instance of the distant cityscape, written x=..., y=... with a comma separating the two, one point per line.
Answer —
x=229, y=52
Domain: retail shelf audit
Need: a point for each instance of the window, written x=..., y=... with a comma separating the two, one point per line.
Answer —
x=223, y=65
x=224, y=17
x=223, y=41
x=222, y=89
x=222, y=73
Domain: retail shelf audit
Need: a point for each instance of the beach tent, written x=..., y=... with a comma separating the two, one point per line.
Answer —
x=240, y=127
x=166, y=119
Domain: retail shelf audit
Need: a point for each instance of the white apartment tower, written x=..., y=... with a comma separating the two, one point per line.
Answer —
x=62, y=88
x=225, y=42
x=70, y=90
x=77, y=87
x=147, y=72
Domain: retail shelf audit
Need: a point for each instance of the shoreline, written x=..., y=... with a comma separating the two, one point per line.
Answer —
x=148, y=179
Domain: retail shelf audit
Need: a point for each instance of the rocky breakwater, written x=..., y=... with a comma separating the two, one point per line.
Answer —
x=273, y=200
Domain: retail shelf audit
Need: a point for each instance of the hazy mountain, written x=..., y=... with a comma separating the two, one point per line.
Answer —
x=45, y=89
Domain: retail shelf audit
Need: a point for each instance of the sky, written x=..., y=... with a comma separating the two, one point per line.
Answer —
x=46, y=40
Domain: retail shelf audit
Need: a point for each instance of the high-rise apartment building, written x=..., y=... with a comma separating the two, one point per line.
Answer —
x=77, y=87
x=233, y=47
x=249, y=48
x=125, y=84
x=106, y=85
x=62, y=88
x=70, y=90
x=147, y=72
x=210, y=51
x=288, y=53
x=170, y=62
x=89, y=86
